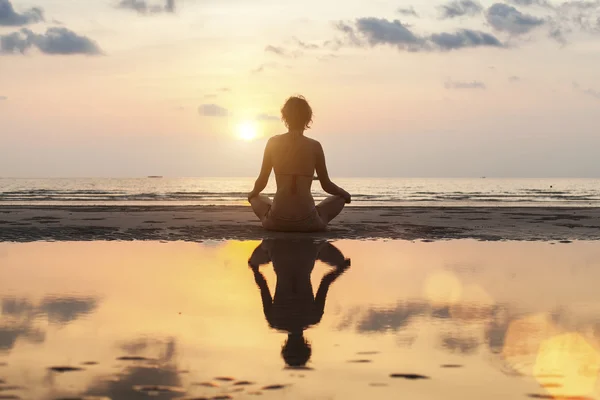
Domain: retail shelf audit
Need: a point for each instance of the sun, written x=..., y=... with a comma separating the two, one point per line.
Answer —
x=247, y=130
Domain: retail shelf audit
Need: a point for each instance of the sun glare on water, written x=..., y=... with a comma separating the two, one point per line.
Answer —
x=247, y=131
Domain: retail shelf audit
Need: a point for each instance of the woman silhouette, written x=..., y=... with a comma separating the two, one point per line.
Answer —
x=294, y=307
x=294, y=158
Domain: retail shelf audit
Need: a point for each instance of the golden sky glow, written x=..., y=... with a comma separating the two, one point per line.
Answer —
x=185, y=80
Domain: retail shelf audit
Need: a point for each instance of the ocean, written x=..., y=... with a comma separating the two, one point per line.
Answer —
x=365, y=191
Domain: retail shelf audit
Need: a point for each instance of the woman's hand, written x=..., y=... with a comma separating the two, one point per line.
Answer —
x=346, y=196
x=251, y=195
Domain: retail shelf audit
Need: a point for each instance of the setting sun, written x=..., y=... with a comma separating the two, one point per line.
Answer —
x=247, y=130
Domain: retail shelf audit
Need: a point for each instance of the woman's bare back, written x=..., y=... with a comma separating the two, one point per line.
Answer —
x=294, y=159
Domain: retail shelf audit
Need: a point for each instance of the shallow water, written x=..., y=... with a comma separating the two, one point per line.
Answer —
x=456, y=319
x=546, y=192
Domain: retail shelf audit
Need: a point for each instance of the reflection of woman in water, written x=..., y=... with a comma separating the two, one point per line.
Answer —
x=295, y=158
x=294, y=307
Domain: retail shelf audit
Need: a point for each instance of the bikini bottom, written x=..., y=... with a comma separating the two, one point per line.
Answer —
x=311, y=223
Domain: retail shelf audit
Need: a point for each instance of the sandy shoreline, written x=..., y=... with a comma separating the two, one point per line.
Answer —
x=198, y=223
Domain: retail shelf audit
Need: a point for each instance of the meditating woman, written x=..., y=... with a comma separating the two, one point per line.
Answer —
x=294, y=158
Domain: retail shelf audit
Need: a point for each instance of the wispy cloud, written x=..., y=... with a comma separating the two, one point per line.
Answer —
x=56, y=41
x=304, y=45
x=507, y=18
x=283, y=52
x=450, y=84
x=143, y=7
x=265, y=66
x=527, y=3
x=9, y=17
x=212, y=110
x=514, y=78
x=280, y=51
x=593, y=93
x=408, y=11
x=370, y=32
x=459, y=8
x=267, y=117
x=587, y=91
x=3, y=98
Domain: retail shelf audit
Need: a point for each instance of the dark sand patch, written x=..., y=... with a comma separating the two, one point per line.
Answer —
x=243, y=383
x=63, y=368
x=550, y=397
x=224, y=379
x=206, y=384
x=133, y=358
x=274, y=387
x=409, y=376
x=451, y=366
x=362, y=361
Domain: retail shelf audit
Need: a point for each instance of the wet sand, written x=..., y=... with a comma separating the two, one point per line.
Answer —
x=198, y=223
x=447, y=320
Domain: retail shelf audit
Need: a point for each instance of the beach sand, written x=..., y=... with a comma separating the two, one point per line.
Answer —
x=198, y=223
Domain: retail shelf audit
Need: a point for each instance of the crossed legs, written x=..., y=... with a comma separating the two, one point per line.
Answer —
x=328, y=209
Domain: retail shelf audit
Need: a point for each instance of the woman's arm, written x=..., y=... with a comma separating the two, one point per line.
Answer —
x=265, y=172
x=326, y=183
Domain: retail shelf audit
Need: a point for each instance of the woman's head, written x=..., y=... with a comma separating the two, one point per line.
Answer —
x=296, y=351
x=296, y=113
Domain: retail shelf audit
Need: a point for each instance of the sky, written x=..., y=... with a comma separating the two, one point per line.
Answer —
x=399, y=88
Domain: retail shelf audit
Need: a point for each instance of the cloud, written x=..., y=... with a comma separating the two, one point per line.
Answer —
x=591, y=92
x=588, y=92
x=381, y=31
x=463, y=39
x=454, y=344
x=54, y=42
x=304, y=45
x=65, y=310
x=267, y=117
x=9, y=17
x=506, y=18
x=212, y=110
x=374, y=320
x=459, y=8
x=527, y=3
x=280, y=51
x=3, y=98
x=263, y=67
x=18, y=317
x=464, y=85
x=583, y=15
x=514, y=78
x=407, y=11
x=374, y=31
x=557, y=33
x=144, y=8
